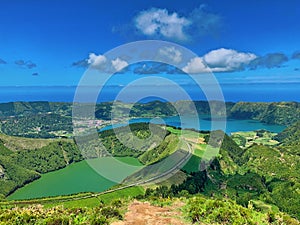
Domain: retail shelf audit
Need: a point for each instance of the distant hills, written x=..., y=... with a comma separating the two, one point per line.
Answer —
x=51, y=119
x=282, y=113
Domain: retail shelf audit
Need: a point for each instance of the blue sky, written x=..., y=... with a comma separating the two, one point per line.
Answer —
x=52, y=42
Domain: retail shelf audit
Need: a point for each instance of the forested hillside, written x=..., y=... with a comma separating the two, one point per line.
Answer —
x=22, y=166
x=48, y=119
x=267, y=177
x=283, y=113
x=290, y=136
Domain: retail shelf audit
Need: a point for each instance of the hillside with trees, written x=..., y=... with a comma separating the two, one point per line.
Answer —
x=54, y=120
x=22, y=166
x=248, y=182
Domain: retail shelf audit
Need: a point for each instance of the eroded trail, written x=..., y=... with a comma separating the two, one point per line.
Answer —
x=142, y=213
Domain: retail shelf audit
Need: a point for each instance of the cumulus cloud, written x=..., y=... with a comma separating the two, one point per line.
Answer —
x=27, y=64
x=296, y=55
x=196, y=65
x=102, y=63
x=220, y=60
x=159, y=22
x=271, y=60
x=96, y=61
x=2, y=61
x=162, y=24
x=119, y=64
x=229, y=60
x=170, y=53
x=226, y=60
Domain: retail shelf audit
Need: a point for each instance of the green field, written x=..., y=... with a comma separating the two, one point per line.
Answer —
x=185, y=133
x=247, y=138
x=130, y=192
x=193, y=164
x=80, y=177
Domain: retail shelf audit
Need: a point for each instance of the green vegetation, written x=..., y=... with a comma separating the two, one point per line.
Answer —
x=52, y=120
x=248, y=138
x=194, y=162
x=78, y=177
x=120, y=142
x=262, y=174
x=107, y=198
x=37, y=214
x=282, y=113
x=164, y=149
x=254, y=178
x=19, y=143
x=30, y=108
x=85, y=176
x=14, y=176
x=52, y=157
x=37, y=126
x=218, y=139
x=290, y=136
x=39, y=119
x=225, y=211
x=132, y=140
x=24, y=166
x=25, y=163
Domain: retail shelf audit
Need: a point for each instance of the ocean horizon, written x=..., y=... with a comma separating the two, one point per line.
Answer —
x=260, y=92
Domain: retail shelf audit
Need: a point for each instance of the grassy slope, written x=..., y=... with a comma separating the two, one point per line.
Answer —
x=20, y=143
x=106, y=198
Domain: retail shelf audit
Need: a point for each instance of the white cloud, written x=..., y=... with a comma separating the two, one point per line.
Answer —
x=196, y=65
x=223, y=60
x=100, y=62
x=163, y=24
x=171, y=53
x=159, y=22
x=220, y=60
x=119, y=64
x=96, y=61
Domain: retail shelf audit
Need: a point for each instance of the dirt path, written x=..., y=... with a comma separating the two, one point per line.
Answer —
x=142, y=213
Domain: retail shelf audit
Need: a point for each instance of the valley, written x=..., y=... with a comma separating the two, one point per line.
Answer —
x=256, y=169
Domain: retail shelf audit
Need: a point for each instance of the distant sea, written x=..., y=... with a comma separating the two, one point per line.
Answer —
x=231, y=92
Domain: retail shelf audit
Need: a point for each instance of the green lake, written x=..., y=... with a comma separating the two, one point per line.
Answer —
x=80, y=177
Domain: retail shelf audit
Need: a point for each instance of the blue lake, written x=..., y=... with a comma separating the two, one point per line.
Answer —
x=205, y=123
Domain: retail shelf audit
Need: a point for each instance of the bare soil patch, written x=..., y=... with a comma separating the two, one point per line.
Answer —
x=142, y=213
